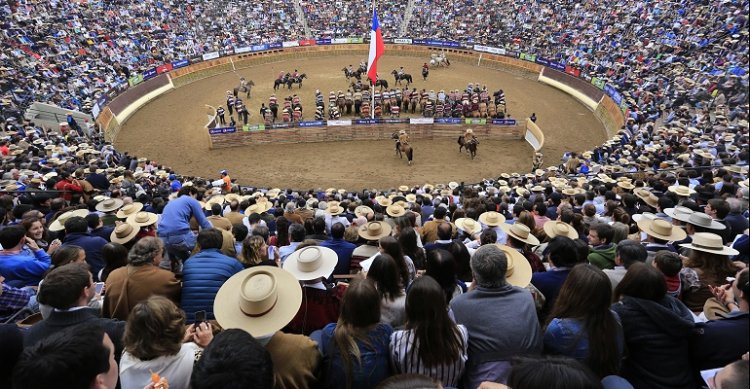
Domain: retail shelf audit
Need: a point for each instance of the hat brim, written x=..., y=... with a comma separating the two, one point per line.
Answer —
x=549, y=230
x=117, y=204
x=227, y=303
x=724, y=250
x=328, y=256
x=483, y=220
x=362, y=211
x=531, y=239
x=152, y=218
x=122, y=215
x=460, y=224
x=519, y=268
x=385, y=231
x=125, y=239
x=59, y=226
x=677, y=233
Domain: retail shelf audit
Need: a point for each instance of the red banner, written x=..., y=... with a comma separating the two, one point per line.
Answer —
x=307, y=42
x=163, y=68
x=573, y=71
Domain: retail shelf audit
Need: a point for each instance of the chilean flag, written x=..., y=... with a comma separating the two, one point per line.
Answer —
x=377, y=47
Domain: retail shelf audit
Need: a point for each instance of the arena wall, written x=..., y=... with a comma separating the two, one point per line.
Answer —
x=123, y=106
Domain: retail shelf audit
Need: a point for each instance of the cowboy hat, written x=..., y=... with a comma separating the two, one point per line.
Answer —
x=646, y=215
x=258, y=208
x=218, y=199
x=124, y=233
x=519, y=269
x=311, y=262
x=335, y=209
x=649, y=198
x=521, y=232
x=229, y=197
x=383, y=201
x=700, y=219
x=59, y=223
x=374, y=230
x=142, y=219
x=681, y=190
x=555, y=228
x=109, y=205
x=661, y=229
x=679, y=212
x=411, y=197
x=129, y=209
x=363, y=210
x=403, y=188
x=453, y=185
x=260, y=300
x=469, y=225
x=709, y=243
x=627, y=185
x=395, y=210
x=491, y=218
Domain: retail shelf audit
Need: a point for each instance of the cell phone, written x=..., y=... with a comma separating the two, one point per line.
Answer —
x=99, y=287
x=200, y=317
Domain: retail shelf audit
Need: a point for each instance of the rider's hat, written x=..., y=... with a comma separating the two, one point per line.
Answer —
x=402, y=132
x=469, y=131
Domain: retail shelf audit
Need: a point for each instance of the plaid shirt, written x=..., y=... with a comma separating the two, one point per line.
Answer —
x=13, y=299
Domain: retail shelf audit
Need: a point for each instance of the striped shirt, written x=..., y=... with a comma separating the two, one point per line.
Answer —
x=405, y=358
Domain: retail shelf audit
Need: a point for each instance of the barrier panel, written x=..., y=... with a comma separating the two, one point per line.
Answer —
x=582, y=86
x=611, y=116
x=223, y=138
x=125, y=99
x=534, y=135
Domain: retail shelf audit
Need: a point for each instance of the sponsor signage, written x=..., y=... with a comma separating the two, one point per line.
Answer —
x=528, y=57
x=312, y=123
x=151, y=73
x=212, y=55
x=421, y=120
x=275, y=45
x=356, y=40
x=281, y=125
x=258, y=47
x=163, y=68
x=323, y=41
x=255, y=127
x=307, y=42
x=241, y=50
x=598, y=82
x=572, y=71
x=364, y=121
x=135, y=80
x=613, y=93
x=489, y=49
x=403, y=41
x=475, y=121
x=339, y=41
x=180, y=64
x=395, y=120
x=222, y=130
x=339, y=123
x=557, y=66
x=504, y=122
x=448, y=121
x=290, y=44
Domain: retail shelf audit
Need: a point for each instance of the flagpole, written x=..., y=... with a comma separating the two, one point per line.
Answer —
x=372, y=104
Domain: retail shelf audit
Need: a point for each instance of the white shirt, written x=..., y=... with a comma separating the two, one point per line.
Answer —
x=135, y=374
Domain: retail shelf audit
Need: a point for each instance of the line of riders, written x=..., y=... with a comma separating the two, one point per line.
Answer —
x=289, y=79
x=473, y=102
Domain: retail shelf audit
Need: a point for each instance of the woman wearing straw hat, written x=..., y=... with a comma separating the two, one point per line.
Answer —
x=521, y=239
x=710, y=259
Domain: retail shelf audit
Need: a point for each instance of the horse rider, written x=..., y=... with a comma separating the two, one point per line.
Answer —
x=363, y=65
x=281, y=75
x=401, y=71
x=295, y=74
x=470, y=137
x=403, y=138
x=350, y=69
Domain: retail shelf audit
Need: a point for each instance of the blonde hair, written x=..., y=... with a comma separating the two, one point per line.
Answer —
x=251, y=253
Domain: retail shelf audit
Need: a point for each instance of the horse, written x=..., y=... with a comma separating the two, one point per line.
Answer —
x=382, y=84
x=425, y=73
x=406, y=77
x=295, y=80
x=281, y=81
x=244, y=87
x=439, y=60
x=471, y=146
x=355, y=73
x=402, y=149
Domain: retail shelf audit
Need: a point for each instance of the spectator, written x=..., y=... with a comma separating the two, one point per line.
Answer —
x=17, y=269
x=562, y=256
x=76, y=234
x=385, y=275
x=603, y=251
x=441, y=266
x=217, y=367
x=174, y=226
x=710, y=260
x=342, y=248
x=627, y=253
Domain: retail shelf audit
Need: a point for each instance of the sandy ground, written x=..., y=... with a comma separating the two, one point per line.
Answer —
x=170, y=130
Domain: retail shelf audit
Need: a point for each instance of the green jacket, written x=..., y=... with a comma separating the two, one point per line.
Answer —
x=603, y=256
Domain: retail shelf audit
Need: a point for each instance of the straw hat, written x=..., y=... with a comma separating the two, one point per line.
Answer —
x=679, y=212
x=491, y=218
x=681, y=190
x=645, y=215
x=129, y=209
x=59, y=223
x=229, y=197
x=411, y=197
x=555, y=228
x=395, y=210
x=709, y=243
x=335, y=209
x=124, y=233
x=258, y=208
x=218, y=199
x=260, y=300
x=311, y=262
x=142, y=219
x=374, y=230
x=109, y=205
x=453, y=185
x=519, y=268
x=403, y=188
x=649, y=198
x=362, y=211
x=469, y=225
x=661, y=229
x=537, y=188
x=383, y=201
x=627, y=185
x=700, y=219
x=521, y=232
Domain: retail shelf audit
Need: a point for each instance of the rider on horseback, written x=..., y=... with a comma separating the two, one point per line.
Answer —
x=401, y=71
x=470, y=137
x=281, y=75
x=403, y=138
x=295, y=74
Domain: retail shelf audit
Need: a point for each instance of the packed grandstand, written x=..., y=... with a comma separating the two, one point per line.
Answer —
x=532, y=279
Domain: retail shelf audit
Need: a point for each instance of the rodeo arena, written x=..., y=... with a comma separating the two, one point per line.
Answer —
x=358, y=195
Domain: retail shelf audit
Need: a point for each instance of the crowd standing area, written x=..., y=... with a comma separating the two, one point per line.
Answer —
x=622, y=266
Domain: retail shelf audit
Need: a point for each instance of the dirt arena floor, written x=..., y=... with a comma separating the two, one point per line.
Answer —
x=170, y=130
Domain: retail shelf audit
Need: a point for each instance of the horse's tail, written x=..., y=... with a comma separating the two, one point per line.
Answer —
x=410, y=154
x=460, y=139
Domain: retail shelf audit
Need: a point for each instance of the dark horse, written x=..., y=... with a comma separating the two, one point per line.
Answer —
x=282, y=81
x=381, y=83
x=356, y=73
x=406, y=77
x=471, y=146
x=295, y=80
x=425, y=73
x=403, y=149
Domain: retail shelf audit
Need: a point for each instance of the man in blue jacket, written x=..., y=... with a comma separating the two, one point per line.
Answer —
x=174, y=226
x=204, y=273
x=76, y=234
x=342, y=248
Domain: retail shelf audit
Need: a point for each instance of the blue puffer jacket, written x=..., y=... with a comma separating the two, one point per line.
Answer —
x=202, y=276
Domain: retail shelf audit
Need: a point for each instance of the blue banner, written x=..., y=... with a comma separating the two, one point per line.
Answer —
x=557, y=66
x=613, y=93
x=281, y=125
x=259, y=47
x=367, y=121
x=448, y=120
x=542, y=61
x=180, y=64
x=313, y=123
x=222, y=130
x=326, y=41
x=151, y=73
x=433, y=42
x=395, y=120
x=504, y=122
x=275, y=45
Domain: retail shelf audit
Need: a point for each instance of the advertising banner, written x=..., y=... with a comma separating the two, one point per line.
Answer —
x=135, y=80
x=331, y=123
x=528, y=57
x=573, y=71
x=504, y=122
x=290, y=44
x=598, y=82
x=275, y=45
x=245, y=49
x=403, y=41
x=489, y=49
x=222, y=130
x=421, y=120
x=557, y=66
x=281, y=125
x=363, y=121
x=339, y=41
x=312, y=123
x=395, y=121
x=151, y=73
x=324, y=41
x=180, y=64
x=258, y=47
x=212, y=55
x=475, y=121
x=613, y=93
x=255, y=127
x=356, y=40
x=307, y=42
x=448, y=120
x=163, y=68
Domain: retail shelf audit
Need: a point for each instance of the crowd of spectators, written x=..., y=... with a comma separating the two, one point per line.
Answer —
x=622, y=265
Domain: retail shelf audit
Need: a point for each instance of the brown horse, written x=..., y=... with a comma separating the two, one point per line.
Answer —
x=404, y=148
x=471, y=146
